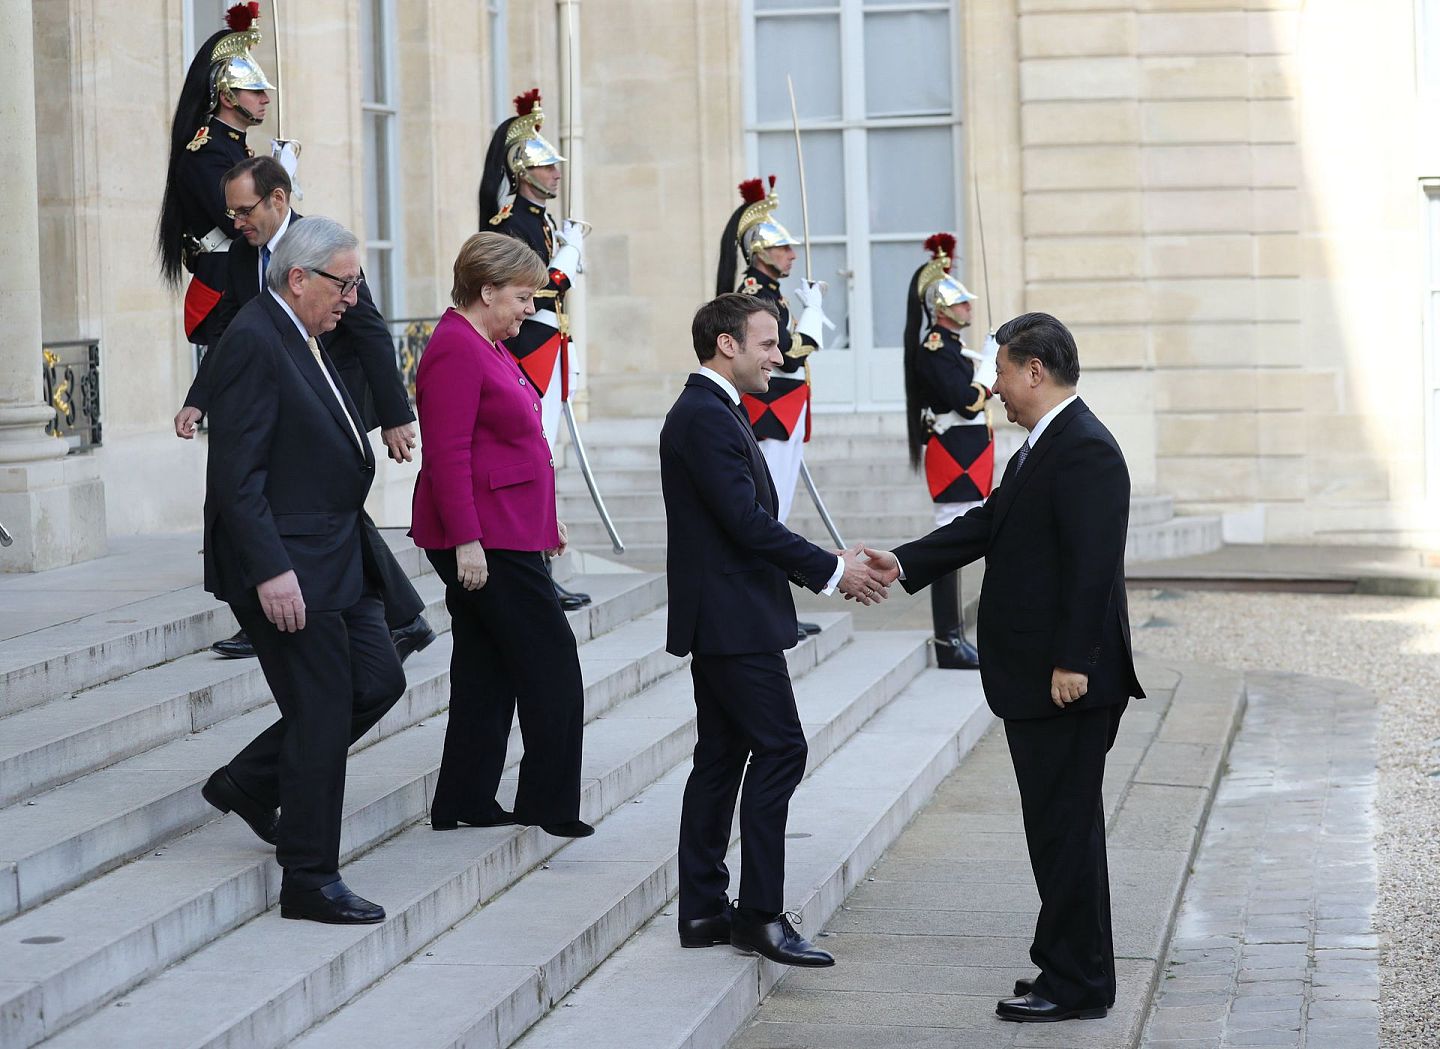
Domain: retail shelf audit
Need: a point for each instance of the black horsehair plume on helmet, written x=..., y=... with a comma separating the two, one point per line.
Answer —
x=497, y=172
x=752, y=191
x=191, y=114
x=915, y=317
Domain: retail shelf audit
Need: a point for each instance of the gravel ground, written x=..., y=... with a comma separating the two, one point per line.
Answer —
x=1390, y=646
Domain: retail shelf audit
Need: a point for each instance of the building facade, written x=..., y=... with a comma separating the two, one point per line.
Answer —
x=1234, y=203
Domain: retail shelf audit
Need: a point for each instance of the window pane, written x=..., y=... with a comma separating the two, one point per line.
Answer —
x=907, y=63
x=824, y=178
x=781, y=5
x=377, y=172
x=377, y=278
x=374, y=48
x=808, y=48
x=829, y=261
x=912, y=180
x=891, y=267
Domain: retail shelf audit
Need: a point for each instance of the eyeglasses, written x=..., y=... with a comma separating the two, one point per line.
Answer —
x=243, y=213
x=345, y=286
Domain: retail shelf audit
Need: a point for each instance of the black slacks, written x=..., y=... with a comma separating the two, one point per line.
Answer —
x=402, y=603
x=744, y=709
x=514, y=650
x=945, y=603
x=332, y=681
x=1060, y=767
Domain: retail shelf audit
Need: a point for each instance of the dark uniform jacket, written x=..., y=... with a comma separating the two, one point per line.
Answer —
x=1053, y=539
x=776, y=412
x=285, y=481
x=215, y=149
x=360, y=346
x=729, y=561
x=536, y=346
x=959, y=463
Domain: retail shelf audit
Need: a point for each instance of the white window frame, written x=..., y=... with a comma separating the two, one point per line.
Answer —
x=1430, y=314
x=499, y=26
x=390, y=298
x=853, y=125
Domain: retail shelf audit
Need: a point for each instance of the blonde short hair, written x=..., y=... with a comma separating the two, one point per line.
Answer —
x=497, y=260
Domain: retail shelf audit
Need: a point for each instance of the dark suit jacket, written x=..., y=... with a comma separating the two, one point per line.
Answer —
x=728, y=558
x=360, y=345
x=285, y=482
x=1053, y=539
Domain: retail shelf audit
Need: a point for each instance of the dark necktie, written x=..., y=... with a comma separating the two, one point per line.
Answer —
x=264, y=263
x=1022, y=455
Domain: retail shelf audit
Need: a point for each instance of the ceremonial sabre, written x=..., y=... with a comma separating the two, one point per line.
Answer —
x=584, y=461
x=825, y=517
x=279, y=73
x=5, y=539
x=984, y=261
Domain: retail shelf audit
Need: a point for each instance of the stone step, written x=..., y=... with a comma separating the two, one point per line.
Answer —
x=521, y=952
x=837, y=448
x=652, y=993
x=77, y=831
x=92, y=649
x=269, y=979
x=1183, y=536
x=647, y=430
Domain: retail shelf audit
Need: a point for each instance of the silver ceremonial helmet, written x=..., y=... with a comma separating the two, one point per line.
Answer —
x=525, y=147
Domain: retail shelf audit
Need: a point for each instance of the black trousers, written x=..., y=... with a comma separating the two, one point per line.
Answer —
x=402, y=603
x=945, y=604
x=332, y=681
x=1060, y=767
x=514, y=650
x=745, y=709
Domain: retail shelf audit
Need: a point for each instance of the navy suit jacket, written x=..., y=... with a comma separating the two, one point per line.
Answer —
x=729, y=561
x=285, y=481
x=1053, y=538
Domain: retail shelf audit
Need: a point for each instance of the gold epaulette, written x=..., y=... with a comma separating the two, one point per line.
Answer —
x=934, y=341
x=501, y=215
x=751, y=286
x=201, y=137
x=981, y=396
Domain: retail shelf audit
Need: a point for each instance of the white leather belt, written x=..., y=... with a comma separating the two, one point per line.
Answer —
x=940, y=423
x=214, y=241
x=798, y=373
x=547, y=318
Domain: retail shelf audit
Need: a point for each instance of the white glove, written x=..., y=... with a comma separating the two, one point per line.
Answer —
x=811, y=293
x=812, y=322
x=567, y=260
x=991, y=349
x=287, y=152
x=572, y=231
x=985, y=373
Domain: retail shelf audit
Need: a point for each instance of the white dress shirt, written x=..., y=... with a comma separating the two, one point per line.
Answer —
x=272, y=244
x=729, y=389
x=323, y=370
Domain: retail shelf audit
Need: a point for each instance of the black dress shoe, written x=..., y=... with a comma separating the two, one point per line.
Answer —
x=953, y=652
x=225, y=794
x=570, y=599
x=499, y=818
x=238, y=646
x=412, y=637
x=775, y=939
x=808, y=629
x=713, y=931
x=1031, y=1008
x=333, y=904
x=1024, y=987
x=568, y=829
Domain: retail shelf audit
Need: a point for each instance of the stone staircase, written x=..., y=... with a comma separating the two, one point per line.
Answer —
x=133, y=914
x=861, y=470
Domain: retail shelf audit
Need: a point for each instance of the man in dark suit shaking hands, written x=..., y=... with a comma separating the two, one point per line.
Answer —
x=730, y=565
x=286, y=480
x=1055, y=631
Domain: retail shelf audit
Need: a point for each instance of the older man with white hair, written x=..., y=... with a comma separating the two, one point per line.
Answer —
x=287, y=476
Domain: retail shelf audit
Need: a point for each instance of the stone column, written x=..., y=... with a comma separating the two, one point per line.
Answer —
x=54, y=506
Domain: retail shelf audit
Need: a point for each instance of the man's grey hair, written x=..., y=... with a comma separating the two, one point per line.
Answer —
x=309, y=244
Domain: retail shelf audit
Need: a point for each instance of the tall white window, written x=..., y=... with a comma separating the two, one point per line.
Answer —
x=500, y=93
x=1432, y=338
x=384, y=270
x=203, y=17
x=877, y=91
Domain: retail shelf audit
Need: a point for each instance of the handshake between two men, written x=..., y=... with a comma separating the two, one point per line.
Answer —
x=868, y=574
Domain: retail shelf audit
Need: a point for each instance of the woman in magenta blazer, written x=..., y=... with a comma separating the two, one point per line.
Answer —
x=484, y=513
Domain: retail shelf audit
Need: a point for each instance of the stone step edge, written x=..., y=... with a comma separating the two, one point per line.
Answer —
x=230, y=688
x=80, y=862
x=411, y=923
x=730, y=985
x=518, y=996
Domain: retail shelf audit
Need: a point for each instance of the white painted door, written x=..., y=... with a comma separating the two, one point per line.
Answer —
x=877, y=90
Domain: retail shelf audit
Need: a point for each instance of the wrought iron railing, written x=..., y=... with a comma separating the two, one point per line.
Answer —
x=72, y=388
x=410, y=335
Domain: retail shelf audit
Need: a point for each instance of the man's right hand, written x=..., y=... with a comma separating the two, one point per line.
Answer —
x=283, y=603
x=470, y=565
x=884, y=564
x=859, y=582
x=186, y=422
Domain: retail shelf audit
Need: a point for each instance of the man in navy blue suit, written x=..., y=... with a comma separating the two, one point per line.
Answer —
x=730, y=565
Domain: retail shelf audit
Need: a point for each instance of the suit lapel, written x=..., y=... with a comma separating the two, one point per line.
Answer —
x=764, y=485
x=1017, y=476
x=299, y=351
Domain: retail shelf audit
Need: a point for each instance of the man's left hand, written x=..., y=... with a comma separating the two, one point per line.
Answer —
x=564, y=541
x=399, y=440
x=1066, y=686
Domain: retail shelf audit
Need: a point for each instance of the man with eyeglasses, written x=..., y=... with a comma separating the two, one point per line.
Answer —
x=257, y=200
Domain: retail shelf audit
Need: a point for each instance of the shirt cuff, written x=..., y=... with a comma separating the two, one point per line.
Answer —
x=901, y=567
x=834, y=579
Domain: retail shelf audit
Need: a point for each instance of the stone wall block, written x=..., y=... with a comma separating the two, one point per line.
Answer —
x=1207, y=390
x=1082, y=167
x=1080, y=122
x=1078, y=78
x=1202, y=299
x=1068, y=35
x=1192, y=33
x=1105, y=346
x=1196, y=166
x=1198, y=211
x=1207, y=479
x=1199, y=255
x=1081, y=302
x=1195, y=121
x=1209, y=344
x=1227, y=433
x=1082, y=258
x=1190, y=76
x=1059, y=214
x=1273, y=32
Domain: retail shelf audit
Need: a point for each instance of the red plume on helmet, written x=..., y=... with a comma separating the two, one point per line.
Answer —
x=937, y=243
x=752, y=190
x=242, y=16
x=525, y=104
